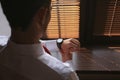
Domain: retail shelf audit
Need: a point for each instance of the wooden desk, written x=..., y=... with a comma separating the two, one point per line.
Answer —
x=98, y=63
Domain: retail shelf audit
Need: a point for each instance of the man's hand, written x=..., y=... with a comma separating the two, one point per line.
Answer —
x=68, y=46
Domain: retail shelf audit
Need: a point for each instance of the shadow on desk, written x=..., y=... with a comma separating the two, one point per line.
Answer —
x=99, y=75
x=98, y=63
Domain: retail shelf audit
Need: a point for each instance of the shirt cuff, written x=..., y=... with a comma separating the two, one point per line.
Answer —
x=69, y=63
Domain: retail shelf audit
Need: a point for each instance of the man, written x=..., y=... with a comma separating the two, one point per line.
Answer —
x=24, y=58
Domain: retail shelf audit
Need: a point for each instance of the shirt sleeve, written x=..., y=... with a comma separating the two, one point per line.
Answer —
x=52, y=47
x=69, y=63
x=73, y=75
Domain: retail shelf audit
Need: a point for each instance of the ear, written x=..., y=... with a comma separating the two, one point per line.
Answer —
x=42, y=14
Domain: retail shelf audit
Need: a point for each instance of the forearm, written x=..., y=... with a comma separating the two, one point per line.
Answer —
x=64, y=53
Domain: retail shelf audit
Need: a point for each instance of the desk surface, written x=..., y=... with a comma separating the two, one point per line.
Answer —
x=97, y=59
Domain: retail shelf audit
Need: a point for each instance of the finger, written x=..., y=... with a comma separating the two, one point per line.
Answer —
x=73, y=49
x=75, y=41
x=74, y=45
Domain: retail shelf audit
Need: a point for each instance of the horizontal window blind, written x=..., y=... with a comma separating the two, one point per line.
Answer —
x=65, y=18
x=107, y=19
x=112, y=22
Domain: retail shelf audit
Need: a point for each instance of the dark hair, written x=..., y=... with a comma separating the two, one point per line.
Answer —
x=20, y=12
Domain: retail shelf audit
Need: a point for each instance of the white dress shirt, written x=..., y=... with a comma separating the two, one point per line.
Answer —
x=49, y=44
x=33, y=63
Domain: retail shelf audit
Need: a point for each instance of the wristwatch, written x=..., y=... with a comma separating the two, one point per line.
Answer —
x=59, y=42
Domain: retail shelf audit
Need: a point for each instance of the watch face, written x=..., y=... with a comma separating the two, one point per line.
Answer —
x=59, y=40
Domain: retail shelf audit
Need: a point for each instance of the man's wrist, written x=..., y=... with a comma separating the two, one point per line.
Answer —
x=66, y=57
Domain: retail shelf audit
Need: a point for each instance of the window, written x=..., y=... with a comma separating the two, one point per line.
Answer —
x=65, y=19
x=108, y=13
x=100, y=22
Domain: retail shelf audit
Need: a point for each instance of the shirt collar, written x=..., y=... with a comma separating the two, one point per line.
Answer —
x=25, y=49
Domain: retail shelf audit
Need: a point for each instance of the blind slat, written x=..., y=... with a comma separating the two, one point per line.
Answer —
x=111, y=20
x=65, y=16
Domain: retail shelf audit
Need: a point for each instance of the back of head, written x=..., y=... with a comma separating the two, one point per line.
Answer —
x=20, y=12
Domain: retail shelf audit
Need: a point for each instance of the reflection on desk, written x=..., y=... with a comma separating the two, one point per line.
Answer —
x=97, y=63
